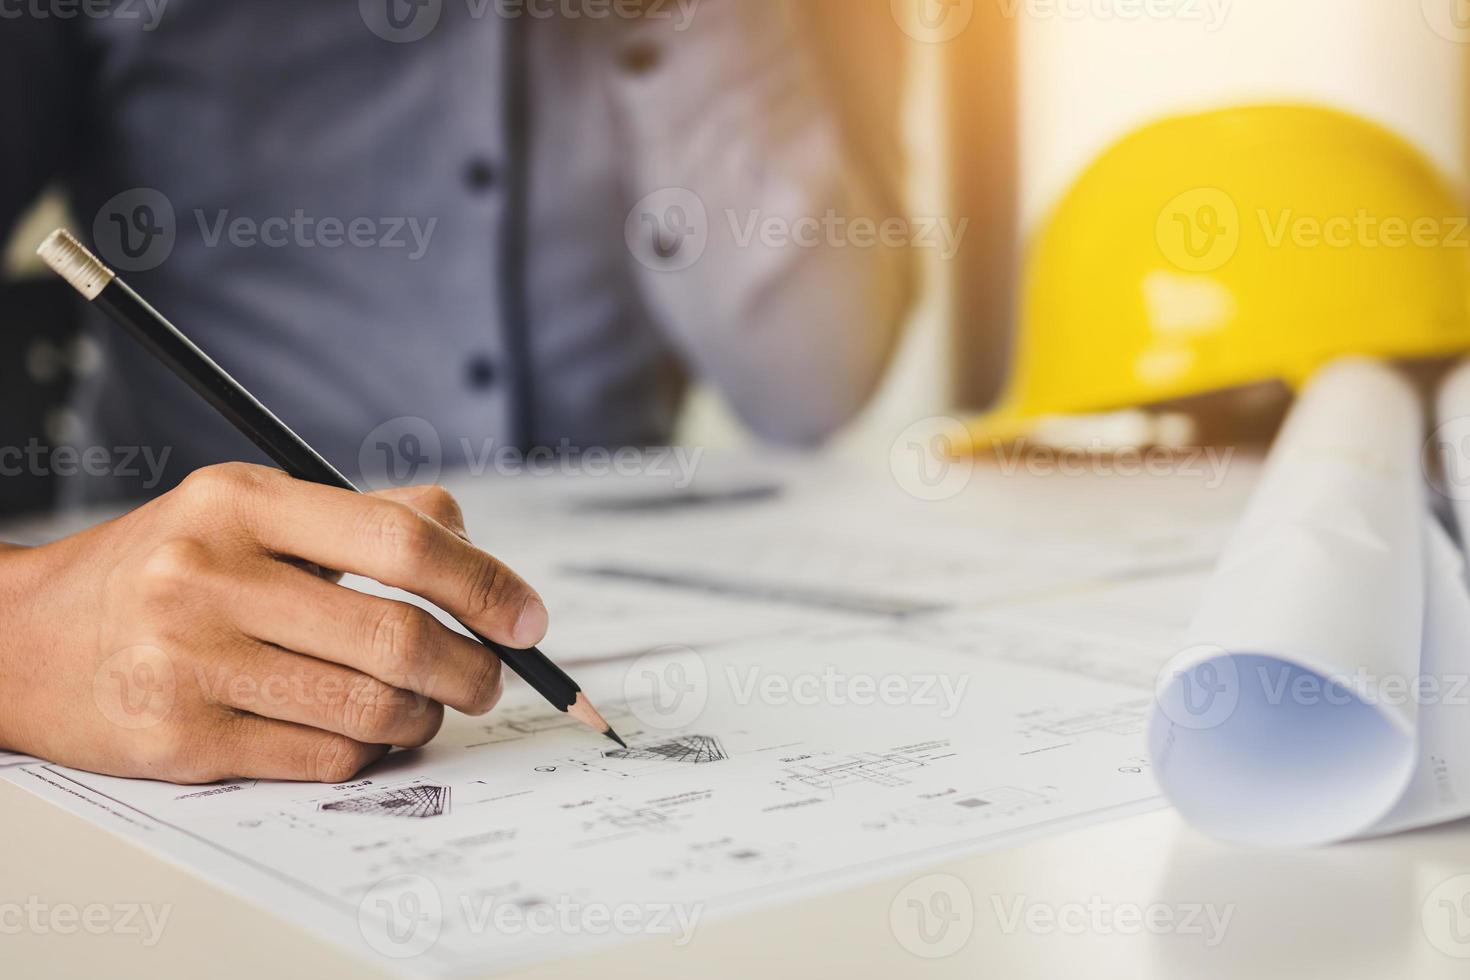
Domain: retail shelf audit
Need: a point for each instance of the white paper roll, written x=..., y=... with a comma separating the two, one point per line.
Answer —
x=1322, y=693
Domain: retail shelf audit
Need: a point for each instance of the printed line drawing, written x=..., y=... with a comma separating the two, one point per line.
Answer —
x=694, y=749
x=862, y=767
x=402, y=801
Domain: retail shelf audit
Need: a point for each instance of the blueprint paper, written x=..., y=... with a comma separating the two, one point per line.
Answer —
x=1024, y=683
x=1320, y=693
x=788, y=772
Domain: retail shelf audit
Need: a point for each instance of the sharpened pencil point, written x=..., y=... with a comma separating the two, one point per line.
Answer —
x=582, y=710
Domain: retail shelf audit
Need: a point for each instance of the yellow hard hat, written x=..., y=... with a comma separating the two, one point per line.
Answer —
x=1233, y=247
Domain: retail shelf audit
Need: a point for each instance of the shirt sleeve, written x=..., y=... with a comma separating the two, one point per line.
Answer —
x=39, y=81
x=767, y=235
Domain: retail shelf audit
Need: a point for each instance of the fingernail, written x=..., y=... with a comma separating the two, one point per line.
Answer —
x=531, y=624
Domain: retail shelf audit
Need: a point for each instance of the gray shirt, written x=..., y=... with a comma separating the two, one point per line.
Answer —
x=427, y=230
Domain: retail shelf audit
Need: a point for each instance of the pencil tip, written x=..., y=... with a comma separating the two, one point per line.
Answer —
x=582, y=710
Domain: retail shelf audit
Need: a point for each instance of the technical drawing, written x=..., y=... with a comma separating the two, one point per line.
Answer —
x=1125, y=718
x=694, y=749
x=966, y=808
x=831, y=773
x=418, y=801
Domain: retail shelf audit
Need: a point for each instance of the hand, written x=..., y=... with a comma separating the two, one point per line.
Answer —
x=197, y=638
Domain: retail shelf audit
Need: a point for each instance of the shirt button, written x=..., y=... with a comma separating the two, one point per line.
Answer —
x=479, y=175
x=640, y=58
x=480, y=372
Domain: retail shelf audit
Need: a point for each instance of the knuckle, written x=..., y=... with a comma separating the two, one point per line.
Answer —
x=212, y=486
x=440, y=504
x=371, y=711
x=404, y=536
x=428, y=717
x=488, y=590
x=486, y=683
x=400, y=633
x=335, y=759
x=172, y=565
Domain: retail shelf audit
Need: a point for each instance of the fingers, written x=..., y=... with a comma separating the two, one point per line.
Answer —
x=433, y=501
x=386, y=540
x=398, y=644
x=263, y=748
x=272, y=683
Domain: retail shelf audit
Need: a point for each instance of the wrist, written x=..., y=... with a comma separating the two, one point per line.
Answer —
x=24, y=574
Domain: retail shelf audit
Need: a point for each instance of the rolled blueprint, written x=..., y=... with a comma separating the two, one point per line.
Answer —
x=1322, y=691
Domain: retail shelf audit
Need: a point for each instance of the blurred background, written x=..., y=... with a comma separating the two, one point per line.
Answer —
x=1161, y=200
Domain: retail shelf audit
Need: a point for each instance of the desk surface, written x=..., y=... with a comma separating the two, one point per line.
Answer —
x=1356, y=910
x=1072, y=904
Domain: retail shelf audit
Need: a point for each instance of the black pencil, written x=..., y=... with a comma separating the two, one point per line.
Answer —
x=101, y=286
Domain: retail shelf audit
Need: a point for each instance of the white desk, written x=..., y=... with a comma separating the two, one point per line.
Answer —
x=1356, y=910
